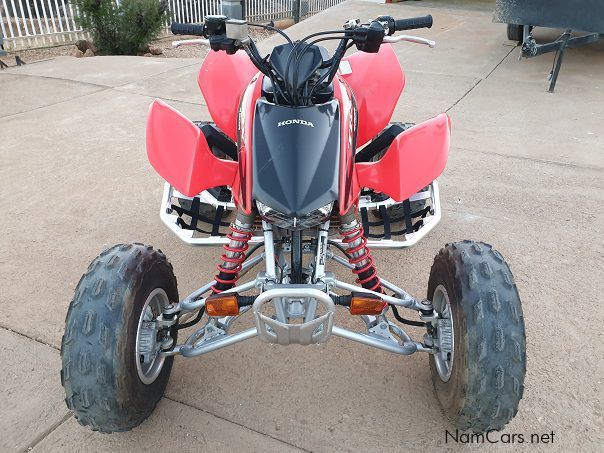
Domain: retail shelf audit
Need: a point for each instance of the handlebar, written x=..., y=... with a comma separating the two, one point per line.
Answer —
x=230, y=35
x=413, y=22
x=187, y=29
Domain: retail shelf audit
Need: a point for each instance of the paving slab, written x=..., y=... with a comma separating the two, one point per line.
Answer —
x=102, y=70
x=80, y=171
x=180, y=85
x=172, y=427
x=559, y=195
x=21, y=94
x=425, y=95
x=31, y=396
x=83, y=177
x=522, y=119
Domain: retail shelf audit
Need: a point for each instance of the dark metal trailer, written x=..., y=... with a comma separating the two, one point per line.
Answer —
x=522, y=16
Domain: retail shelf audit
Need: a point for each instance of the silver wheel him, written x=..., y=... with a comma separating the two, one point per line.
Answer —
x=148, y=346
x=444, y=341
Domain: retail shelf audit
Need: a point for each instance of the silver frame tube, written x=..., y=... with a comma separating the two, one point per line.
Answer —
x=214, y=334
x=213, y=345
x=269, y=250
x=404, y=349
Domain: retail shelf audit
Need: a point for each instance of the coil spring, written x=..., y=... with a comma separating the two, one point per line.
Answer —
x=367, y=275
x=232, y=259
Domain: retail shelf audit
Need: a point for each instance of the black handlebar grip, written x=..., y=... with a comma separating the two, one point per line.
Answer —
x=413, y=22
x=187, y=29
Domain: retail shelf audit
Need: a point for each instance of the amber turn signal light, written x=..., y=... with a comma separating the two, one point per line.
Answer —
x=222, y=305
x=366, y=304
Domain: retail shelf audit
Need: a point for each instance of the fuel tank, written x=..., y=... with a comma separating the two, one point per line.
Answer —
x=296, y=156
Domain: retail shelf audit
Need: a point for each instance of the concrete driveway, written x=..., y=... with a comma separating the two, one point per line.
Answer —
x=525, y=174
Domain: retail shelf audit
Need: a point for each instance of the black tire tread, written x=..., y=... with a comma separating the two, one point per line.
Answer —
x=96, y=381
x=515, y=32
x=493, y=336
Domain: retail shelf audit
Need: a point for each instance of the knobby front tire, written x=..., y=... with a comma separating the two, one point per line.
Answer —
x=486, y=381
x=98, y=350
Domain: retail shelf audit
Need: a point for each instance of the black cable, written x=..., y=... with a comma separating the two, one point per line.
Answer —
x=275, y=29
x=277, y=91
x=299, y=60
x=252, y=250
x=339, y=247
x=295, y=47
x=332, y=64
x=329, y=63
x=256, y=62
x=329, y=75
x=322, y=78
x=321, y=33
x=409, y=322
x=193, y=321
x=263, y=64
x=275, y=97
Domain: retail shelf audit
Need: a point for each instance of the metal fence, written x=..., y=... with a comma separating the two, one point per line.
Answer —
x=265, y=10
x=43, y=23
x=37, y=23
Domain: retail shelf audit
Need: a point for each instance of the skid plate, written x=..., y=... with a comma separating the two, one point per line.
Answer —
x=279, y=331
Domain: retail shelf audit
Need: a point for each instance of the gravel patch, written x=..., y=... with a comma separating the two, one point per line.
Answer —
x=197, y=51
x=32, y=55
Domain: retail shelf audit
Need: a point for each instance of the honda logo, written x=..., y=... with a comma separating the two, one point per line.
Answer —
x=295, y=121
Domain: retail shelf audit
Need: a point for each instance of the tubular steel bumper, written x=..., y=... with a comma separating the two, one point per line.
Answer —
x=173, y=221
x=312, y=329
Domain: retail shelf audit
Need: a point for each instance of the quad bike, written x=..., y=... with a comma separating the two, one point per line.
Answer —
x=300, y=168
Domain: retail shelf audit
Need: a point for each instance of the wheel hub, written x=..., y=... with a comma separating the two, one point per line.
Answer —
x=148, y=345
x=444, y=337
x=148, y=361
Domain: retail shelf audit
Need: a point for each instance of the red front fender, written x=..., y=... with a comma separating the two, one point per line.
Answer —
x=415, y=158
x=179, y=152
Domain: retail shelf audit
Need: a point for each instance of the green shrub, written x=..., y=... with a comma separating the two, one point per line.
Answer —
x=122, y=29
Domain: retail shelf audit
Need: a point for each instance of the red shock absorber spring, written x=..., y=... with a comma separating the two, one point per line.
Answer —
x=233, y=257
x=360, y=256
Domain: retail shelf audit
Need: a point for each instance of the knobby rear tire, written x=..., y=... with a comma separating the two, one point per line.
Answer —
x=98, y=349
x=489, y=357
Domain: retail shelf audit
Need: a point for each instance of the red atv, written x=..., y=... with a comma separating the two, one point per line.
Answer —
x=300, y=168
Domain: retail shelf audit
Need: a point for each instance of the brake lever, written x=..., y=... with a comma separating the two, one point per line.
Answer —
x=191, y=42
x=408, y=38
